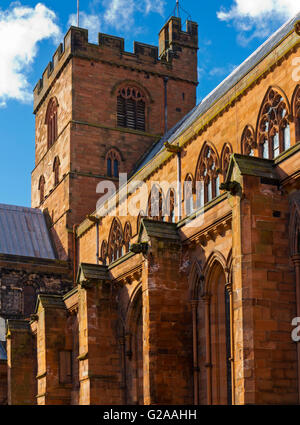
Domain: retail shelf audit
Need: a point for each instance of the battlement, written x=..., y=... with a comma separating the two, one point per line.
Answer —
x=172, y=37
x=111, y=49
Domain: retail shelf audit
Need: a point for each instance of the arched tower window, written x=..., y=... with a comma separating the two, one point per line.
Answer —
x=248, y=141
x=42, y=189
x=127, y=236
x=297, y=113
x=51, y=121
x=273, y=126
x=188, y=195
x=155, y=204
x=225, y=158
x=113, y=160
x=56, y=165
x=115, y=244
x=131, y=108
x=207, y=172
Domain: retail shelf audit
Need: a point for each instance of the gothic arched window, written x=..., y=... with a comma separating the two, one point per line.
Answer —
x=113, y=160
x=115, y=244
x=51, y=121
x=131, y=108
x=248, y=141
x=188, y=195
x=273, y=126
x=56, y=165
x=139, y=219
x=170, y=206
x=155, y=204
x=297, y=113
x=127, y=236
x=104, y=252
x=207, y=173
x=225, y=159
x=42, y=189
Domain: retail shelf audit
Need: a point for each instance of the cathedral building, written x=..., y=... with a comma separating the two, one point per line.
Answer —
x=192, y=300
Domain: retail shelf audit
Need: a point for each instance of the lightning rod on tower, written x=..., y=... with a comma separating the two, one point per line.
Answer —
x=78, y=13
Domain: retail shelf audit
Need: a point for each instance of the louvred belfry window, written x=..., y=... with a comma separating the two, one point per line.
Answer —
x=131, y=109
x=51, y=121
x=273, y=126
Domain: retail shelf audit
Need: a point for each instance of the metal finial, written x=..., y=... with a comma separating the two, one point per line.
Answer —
x=177, y=8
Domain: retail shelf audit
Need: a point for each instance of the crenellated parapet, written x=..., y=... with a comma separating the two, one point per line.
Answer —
x=110, y=49
x=173, y=38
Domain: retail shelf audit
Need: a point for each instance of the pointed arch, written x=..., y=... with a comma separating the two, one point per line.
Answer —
x=170, y=205
x=42, y=188
x=296, y=111
x=131, y=107
x=115, y=241
x=51, y=121
x=294, y=228
x=188, y=193
x=273, y=128
x=207, y=173
x=104, y=252
x=56, y=165
x=215, y=258
x=138, y=221
x=218, y=334
x=127, y=236
x=156, y=203
x=248, y=141
x=113, y=161
x=196, y=281
x=134, y=347
x=225, y=158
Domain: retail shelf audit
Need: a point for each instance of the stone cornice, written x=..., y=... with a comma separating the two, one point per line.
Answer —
x=211, y=232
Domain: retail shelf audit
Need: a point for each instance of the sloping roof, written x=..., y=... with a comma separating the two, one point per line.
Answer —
x=23, y=231
x=252, y=166
x=159, y=229
x=89, y=272
x=221, y=89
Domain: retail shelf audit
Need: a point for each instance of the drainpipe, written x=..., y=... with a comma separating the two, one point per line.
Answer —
x=75, y=226
x=208, y=364
x=296, y=261
x=194, y=304
x=166, y=79
x=97, y=243
x=179, y=184
x=228, y=288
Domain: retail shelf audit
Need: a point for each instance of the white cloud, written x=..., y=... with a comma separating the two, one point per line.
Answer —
x=90, y=22
x=120, y=13
x=21, y=28
x=258, y=16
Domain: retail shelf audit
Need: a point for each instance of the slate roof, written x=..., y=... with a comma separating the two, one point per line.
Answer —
x=23, y=231
x=221, y=89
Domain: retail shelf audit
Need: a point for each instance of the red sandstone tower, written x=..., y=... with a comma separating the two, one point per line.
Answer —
x=98, y=109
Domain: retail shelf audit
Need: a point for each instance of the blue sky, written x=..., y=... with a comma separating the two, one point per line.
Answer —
x=229, y=31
